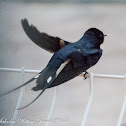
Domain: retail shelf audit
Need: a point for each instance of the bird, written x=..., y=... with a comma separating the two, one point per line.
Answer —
x=69, y=59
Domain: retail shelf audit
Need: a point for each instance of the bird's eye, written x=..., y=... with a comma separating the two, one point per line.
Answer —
x=101, y=35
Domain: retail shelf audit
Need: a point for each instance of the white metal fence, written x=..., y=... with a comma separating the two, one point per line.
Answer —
x=91, y=82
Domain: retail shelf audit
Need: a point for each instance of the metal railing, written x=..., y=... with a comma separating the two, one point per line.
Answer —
x=91, y=82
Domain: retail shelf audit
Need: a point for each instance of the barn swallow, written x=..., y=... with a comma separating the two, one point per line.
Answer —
x=69, y=59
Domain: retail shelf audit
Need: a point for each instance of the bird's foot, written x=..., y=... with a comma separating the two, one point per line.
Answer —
x=86, y=75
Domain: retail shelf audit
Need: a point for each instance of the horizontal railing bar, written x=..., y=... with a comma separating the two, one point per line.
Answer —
x=109, y=76
x=10, y=69
x=19, y=70
x=32, y=71
x=37, y=71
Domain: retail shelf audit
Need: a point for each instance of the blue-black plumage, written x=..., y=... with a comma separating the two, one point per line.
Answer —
x=69, y=59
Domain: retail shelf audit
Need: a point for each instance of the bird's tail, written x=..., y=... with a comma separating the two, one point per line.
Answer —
x=45, y=87
x=49, y=79
x=8, y=92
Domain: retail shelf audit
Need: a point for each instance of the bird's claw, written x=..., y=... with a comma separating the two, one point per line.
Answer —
x=86, y=75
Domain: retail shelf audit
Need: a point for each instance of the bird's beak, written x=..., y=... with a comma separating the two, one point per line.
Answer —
x=105, y=35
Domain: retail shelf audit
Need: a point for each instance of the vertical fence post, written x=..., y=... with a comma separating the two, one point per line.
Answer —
x=89, y=101
x=123, y=106
x=20, y=97
x=52, y=107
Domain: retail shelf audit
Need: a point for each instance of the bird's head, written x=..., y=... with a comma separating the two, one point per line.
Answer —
x=95, y=35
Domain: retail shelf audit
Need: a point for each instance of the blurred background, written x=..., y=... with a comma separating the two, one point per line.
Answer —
x=67, y=19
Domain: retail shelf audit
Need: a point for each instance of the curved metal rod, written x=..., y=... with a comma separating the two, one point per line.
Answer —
x=20, y=97
x=52, y=107
x=89, y=101
x=123, y=107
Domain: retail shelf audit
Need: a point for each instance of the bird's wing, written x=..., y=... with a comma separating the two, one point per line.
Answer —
x=68, y=73
x=49, y=74
x=49, y=43
x=67, y=70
